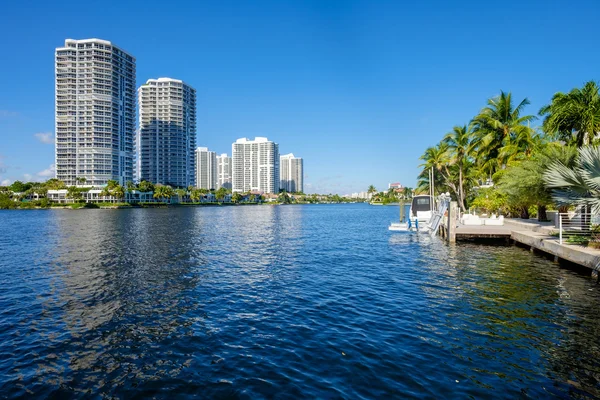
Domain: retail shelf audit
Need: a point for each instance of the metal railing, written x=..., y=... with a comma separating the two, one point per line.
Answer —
x=576, y=228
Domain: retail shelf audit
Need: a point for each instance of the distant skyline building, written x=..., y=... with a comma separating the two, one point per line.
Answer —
x=206, y=168
x=255, y=165
x=291, y=173
x=361, y=195
x=94, y=112
x=167, y=132
x=224, y=171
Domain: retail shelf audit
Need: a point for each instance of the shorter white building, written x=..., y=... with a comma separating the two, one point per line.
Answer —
x=291, y=176
x=206, y=168
x=361, y=195
x=95, y=196
x=255, y=165
x=224, y=178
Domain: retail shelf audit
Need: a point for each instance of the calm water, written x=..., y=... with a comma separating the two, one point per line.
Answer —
x=282, y=301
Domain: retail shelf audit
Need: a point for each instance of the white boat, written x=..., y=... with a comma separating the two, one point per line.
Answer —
x=421, y=211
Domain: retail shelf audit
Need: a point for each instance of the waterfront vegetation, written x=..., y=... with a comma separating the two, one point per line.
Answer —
x=29, y=195
x=501, y=162
x=391, y=196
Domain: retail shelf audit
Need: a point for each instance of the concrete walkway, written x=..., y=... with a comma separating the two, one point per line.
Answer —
x=538, y=236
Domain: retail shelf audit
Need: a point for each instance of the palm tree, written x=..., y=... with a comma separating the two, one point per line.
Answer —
x=435, y=157
x=111, y=184
x=74, y=193
x=407, y=193
x=55, y=184
x=81, y=181
x=146, y=186
x=181, y=193
x=460, y=150
x=195, y=195
x=118, y=192
x=579, y=184
x=220, y=194
x=130, y=186
x=498, y=125
x=522, y=146
x=168, y=191
x=163, y=192
x=575, y=116
x=236, y=197
x=105, y=192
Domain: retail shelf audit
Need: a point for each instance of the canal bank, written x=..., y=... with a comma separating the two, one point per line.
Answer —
x=538, y=236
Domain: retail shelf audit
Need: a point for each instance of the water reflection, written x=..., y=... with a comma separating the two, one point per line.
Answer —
x=122, y=286
x=289, y=301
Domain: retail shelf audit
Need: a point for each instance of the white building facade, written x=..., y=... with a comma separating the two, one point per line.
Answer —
x=292, y=173
x=255, y=165
x=224, y=171
x=95, y=112
x=206, y=168
x=167, y=132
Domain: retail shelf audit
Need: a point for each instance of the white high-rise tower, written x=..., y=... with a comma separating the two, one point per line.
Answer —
x=95, y=112
x=224, y=171
x=206, y=168
x=292, y=173
x=255, y=165
x=167, y=132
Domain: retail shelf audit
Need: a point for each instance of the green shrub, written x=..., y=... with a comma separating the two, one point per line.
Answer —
x=581, y=240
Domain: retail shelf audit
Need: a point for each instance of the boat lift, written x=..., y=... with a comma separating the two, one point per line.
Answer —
x=410, y=223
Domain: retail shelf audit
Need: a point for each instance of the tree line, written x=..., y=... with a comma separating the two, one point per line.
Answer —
x=501, y=162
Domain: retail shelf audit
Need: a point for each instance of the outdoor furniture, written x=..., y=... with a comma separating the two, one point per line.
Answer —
x=469, y=219
x=493, y=221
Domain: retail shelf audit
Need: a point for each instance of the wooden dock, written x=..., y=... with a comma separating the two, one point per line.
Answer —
x=466, y=232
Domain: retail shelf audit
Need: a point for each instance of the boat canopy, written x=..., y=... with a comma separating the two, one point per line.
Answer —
x=420, y=203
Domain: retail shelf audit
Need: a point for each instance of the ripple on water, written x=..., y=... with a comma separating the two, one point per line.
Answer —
x=298, y=301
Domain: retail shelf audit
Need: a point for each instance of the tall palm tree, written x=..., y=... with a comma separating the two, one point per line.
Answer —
x=522, y=146
x=575, y=116
x=460, y=150
x=579, y=184
x=498, y=125
x=436, y=157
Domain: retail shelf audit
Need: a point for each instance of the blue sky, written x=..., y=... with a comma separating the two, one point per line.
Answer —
x=358, y=89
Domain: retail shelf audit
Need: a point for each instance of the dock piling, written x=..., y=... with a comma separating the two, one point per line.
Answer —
x=452, y=212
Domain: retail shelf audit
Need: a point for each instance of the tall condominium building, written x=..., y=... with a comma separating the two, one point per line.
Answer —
x=224, y=171
x=206, y=168
x=292, y=173
x=95, y=112
x=255, y=165
x=167, y=132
